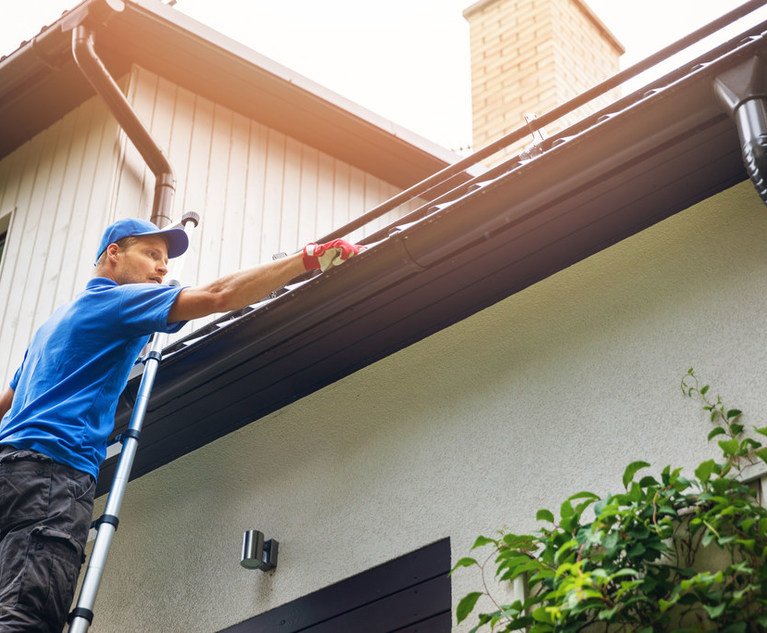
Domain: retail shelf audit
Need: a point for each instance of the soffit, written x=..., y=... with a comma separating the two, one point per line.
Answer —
x=39, y=83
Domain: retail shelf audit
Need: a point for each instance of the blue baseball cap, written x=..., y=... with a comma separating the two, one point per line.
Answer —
x=175, y=236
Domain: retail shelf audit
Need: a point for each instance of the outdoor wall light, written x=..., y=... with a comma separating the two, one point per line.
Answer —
x=257, y=553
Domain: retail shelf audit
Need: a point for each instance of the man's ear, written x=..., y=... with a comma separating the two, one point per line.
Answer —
x=112, y=250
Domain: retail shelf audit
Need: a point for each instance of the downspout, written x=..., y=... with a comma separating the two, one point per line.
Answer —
x=98, y=76
x=743, y=93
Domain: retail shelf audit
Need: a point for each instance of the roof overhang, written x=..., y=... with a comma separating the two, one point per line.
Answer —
x=39, y=83
x=651, y=155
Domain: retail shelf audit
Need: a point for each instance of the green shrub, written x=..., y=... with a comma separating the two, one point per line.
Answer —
x=671, y=553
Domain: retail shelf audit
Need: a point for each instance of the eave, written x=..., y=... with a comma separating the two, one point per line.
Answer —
x=39, y=84
x=651, y=155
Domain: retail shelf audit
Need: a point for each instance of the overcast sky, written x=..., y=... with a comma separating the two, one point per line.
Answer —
x=406, y=60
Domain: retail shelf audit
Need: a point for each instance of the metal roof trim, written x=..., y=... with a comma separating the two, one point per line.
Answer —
x=600, y=124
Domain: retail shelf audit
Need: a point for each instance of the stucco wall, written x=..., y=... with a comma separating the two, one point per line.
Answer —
x=546, y=393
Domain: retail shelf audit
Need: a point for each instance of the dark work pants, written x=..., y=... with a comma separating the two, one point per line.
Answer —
x=45, y=514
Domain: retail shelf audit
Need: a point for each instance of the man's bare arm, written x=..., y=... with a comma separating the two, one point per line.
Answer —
x=235, y=291
x=6, y=400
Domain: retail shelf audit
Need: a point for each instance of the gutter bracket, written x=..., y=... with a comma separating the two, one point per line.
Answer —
x=742, y=91
x=534, y=149
x=398, y=237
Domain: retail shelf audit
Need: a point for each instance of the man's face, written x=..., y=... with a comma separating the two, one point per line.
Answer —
x=143, y=261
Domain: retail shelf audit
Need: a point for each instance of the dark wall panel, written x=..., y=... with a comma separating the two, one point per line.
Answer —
x=410, y=594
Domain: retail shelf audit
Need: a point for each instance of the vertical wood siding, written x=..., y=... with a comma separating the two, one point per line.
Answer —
x=57, y=186
x=259, y=192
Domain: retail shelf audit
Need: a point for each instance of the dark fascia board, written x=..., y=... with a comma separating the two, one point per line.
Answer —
x=664, y=152
x=39, y=83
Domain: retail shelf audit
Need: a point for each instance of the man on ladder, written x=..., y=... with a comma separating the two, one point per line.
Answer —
x=58, y=412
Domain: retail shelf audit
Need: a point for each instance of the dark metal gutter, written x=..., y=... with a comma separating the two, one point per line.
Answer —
x=743, y=93
x=668, y=149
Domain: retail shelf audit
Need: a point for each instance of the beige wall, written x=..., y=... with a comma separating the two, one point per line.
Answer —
x=259, y=192
x=551, y=391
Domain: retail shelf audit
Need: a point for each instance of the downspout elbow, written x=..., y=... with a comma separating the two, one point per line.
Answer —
x=98, y=76
x=742, y=92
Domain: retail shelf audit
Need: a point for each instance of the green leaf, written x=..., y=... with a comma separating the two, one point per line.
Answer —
x=762, y=454
x=762, y=430
x=716, y=431
x=611, y=543
x=631, y=470
x=562, y=551
x=541, y=614
x=519, y=541
x=544, y=515
x=637, y=549
x=466, y=605
x=584, y=494
x=566, y=510
x=729, y=447
x=519, y=623
x=635, y=494
x=464, y=562
x=626, y=571
x=482, y=541
x=733, y=413
x=704, y=470
x=647, y=481
x=704, y=390
x=665, y=605
x=714, y=611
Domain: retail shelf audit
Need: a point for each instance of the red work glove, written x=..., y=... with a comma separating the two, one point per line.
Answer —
x=324, y=256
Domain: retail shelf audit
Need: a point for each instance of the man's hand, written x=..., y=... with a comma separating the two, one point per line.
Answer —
x=324, y=256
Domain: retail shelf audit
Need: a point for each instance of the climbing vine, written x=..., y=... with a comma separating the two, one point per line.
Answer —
x=667, y=552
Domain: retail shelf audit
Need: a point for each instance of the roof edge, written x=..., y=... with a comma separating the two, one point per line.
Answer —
x=176, y=19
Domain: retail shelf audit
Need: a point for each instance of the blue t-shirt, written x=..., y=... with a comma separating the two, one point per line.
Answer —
x=76, y=367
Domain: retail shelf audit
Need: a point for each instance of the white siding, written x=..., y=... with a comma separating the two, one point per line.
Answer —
x=259, y=192
x=58, y=185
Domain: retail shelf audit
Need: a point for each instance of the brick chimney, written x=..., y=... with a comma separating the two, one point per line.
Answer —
x=529, y=56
